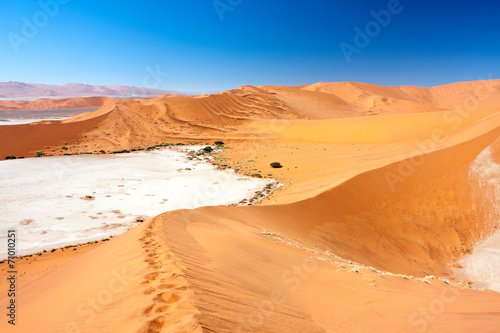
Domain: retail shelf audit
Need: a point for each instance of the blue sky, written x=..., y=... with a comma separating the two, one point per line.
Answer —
x=209, y=46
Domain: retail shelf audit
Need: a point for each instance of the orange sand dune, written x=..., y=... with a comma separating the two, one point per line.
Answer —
x=139, y=123
x=461, y=95
x=371, y=207
x=275, y=268
x=25, y=140
x=70, y=102
x=372, y=99
x=54, y=103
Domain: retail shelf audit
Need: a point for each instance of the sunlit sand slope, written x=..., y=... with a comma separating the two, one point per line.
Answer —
x=135, y=123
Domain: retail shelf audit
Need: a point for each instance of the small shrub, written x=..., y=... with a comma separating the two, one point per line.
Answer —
x=64, y=148
x=208, y=149
x=10, y=157
x=53, y=250
x=102, y=151
x=258, y=175
x=218, y=143
x=276, y=165
x=39, y=154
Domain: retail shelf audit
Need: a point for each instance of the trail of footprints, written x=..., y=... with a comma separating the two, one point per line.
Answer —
x=169, y=309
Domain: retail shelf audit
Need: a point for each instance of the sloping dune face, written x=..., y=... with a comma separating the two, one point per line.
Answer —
x=131, y=123
x=373, y=99
x=371, y=207
x=136, y=123
x=463, y=95
x=63, y=103
x=24, y=140
x=183, y=118
x=410, y=217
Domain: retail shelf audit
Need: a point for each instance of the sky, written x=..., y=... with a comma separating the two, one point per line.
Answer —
x=204, y=46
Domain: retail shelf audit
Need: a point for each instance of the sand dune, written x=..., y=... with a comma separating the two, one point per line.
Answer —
x=462, y=95
x=71, y=102
x=51, y=103
x=373, y=208
x=138, y=123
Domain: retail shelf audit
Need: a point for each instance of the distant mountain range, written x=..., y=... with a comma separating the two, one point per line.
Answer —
x=14, y=89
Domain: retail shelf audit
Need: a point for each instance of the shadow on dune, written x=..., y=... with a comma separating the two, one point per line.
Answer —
x=411, y=217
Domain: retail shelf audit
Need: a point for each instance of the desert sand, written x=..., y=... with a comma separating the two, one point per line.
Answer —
x=381, y=199
x=68, y=103
x=60, y=103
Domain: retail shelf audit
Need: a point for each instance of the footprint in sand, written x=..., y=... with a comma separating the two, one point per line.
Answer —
x=152, y=276
x=156, y=324
x=162, y=309
x=168, y=297
x=147, y=311
x=148, y=291
x=168, y=286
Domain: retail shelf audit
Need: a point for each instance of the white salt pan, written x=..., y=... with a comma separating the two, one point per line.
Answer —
x=41, y=198
x=483, y=265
